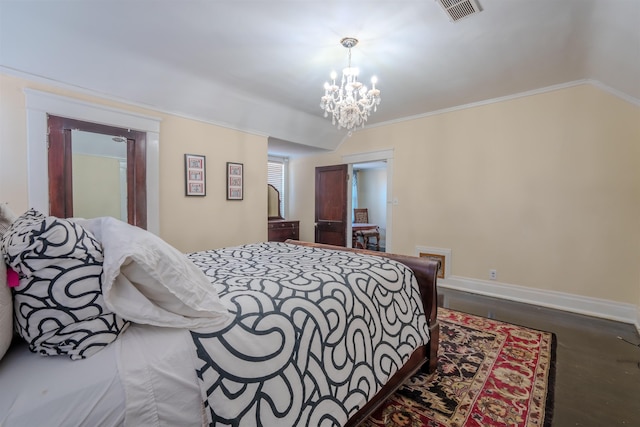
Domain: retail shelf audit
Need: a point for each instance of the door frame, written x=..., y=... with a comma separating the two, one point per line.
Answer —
x=39, y=104
x=61, y=172
x=374, y=156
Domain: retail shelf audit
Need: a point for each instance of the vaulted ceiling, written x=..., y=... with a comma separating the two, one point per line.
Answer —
x=260, y=66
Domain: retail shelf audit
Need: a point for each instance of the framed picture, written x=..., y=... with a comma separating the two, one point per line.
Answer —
x=438, y=254
x=194, y=167
x=234, y=181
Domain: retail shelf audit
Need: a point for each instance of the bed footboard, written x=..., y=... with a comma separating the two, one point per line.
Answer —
x=424, y=358
x=426, y=271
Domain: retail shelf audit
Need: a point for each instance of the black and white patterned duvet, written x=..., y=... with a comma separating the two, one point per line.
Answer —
x=316, y=333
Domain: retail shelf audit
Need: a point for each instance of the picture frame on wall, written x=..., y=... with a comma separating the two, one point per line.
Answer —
x=235, y=184
x=195, y=175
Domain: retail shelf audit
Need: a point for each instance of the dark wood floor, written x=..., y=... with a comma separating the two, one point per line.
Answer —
x=597, y=374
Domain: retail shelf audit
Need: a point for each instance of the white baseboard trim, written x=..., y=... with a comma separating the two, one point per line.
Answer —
x=606, y=309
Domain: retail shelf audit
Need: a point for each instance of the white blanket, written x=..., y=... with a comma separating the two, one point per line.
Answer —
x=147, y=281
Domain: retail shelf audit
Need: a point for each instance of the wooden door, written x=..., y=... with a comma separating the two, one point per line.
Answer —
x=331, y=205
x=60, y=167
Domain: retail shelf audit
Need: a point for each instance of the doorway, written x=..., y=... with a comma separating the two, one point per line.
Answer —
x=369, y=191
x=380, y=158
x=334, y=198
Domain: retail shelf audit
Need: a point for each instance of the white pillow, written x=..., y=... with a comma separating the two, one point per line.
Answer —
x=6, y=310
x=148, y=281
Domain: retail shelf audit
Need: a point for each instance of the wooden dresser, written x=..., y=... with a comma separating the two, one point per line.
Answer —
x=282, y=229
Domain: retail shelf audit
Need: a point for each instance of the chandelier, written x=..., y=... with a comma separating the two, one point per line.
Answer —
x=349, y=104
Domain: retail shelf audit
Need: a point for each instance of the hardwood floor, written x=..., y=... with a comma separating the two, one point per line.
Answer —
x=597, y=374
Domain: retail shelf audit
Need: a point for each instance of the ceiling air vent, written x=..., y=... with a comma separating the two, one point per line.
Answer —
x=458, y=9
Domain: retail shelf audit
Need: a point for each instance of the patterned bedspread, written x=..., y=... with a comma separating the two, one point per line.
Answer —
x=316, y=333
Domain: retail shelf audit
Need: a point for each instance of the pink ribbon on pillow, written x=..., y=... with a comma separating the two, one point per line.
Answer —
x=12, y=278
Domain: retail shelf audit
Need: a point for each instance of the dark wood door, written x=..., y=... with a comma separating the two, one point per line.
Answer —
x=331, y=204
x=60, y=167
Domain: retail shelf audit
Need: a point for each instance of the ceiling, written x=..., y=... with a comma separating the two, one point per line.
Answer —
x=260, y=65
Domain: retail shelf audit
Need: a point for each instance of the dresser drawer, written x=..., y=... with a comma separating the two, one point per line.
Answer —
x=283, y=224
x=281, y=230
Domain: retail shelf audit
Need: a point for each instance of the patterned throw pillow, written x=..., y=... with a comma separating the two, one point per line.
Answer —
x=58, y=306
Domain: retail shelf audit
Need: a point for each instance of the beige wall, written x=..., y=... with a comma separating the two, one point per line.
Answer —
x=13, y=145
x=96, y=186
x=189, y=223
x=545, y=189
x=196, y=223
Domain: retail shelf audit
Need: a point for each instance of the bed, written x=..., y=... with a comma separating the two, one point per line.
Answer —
x=270, y=333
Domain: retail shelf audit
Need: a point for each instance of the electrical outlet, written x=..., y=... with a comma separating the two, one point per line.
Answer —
x=493, y=274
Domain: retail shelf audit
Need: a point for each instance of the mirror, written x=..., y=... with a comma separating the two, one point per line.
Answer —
x=273, y=203
x=99, y=164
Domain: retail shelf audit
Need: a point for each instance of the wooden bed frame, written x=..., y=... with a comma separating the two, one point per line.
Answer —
x=424, y=358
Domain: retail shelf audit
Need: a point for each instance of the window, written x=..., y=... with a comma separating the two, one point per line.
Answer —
x=277, y=171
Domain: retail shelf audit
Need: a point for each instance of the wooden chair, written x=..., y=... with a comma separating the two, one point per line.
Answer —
x=361, y=216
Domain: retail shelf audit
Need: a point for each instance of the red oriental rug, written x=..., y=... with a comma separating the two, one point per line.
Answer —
x=490, y=373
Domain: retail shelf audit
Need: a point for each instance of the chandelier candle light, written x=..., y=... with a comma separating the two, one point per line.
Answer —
x=350, y=104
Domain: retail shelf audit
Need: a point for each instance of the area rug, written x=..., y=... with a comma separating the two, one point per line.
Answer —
x=490, y=373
